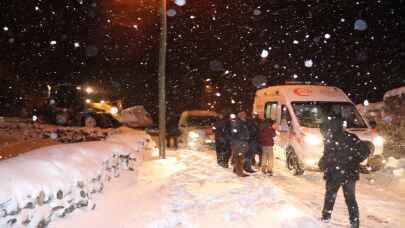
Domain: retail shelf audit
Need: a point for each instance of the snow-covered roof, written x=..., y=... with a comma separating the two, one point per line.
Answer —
x=199, y=113
x=394, y=92
x=305, y=93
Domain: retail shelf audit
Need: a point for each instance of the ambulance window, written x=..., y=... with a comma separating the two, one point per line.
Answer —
x=270, y=111
x=285, y=115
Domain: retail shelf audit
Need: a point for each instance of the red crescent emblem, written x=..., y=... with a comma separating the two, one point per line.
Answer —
x=302, y=92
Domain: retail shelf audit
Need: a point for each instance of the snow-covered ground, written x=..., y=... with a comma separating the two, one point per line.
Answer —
x=192, y=191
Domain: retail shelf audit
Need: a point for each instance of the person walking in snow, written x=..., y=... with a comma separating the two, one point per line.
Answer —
x=239, y=142
x=222, y=140
x=267, y=134
x=340, y=163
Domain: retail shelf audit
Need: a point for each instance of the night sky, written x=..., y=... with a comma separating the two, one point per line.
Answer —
x=358, y=46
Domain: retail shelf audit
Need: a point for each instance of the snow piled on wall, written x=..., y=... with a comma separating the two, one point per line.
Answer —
x=53, y=181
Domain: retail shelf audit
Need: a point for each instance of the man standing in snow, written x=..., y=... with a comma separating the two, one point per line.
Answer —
x=267, y=134
x=253, y=126
x=343, y=153
x=239, y=142
x=222, y=141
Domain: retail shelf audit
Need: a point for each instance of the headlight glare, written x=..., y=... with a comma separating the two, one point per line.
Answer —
x=312, y=139
x=193, y=135
x=378, y=141
x=114, y=110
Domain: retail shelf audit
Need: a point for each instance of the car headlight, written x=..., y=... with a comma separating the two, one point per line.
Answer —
x=312, y=139
x=378, y=141
x=193, y=135
x=114, y=110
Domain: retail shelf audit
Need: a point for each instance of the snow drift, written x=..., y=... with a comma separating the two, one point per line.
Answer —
x=54, y=181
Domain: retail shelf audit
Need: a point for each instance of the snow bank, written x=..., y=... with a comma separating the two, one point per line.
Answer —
x=54, y=181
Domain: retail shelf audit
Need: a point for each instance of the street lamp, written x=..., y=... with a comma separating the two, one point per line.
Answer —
x=162, y=81
x=89, y=90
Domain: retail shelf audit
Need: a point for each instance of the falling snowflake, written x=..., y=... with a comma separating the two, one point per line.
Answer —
x=360, y=25
x=53, y=42
x=257, y=12
x=296, y=42
x=366, y=103
x=5, y=28
x=171, y=13
x=308, y=63
x=264, y=54
x=327, y=36
x=180, y=2
x=295, y=76
x=76, y=44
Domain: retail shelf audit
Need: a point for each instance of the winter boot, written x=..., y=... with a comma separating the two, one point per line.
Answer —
x=248, y=168
x=233, y=159
x=238, y=167
x=355, y=223
x=326, y=217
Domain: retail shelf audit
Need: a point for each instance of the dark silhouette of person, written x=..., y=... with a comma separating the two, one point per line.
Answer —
x=340, y=163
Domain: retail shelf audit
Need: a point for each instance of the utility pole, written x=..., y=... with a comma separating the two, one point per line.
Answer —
x=162, y=81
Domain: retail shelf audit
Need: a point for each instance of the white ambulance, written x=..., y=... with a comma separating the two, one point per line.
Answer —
x=298, y=110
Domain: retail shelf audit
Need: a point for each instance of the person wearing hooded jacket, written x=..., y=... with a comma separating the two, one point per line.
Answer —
x=222, y=140
x=254, y=145
x=340, y=163
x=239, y=142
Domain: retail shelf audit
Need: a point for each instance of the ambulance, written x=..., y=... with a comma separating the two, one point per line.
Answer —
x=298, y=110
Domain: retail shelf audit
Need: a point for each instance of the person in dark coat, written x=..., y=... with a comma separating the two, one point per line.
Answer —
x=254, y=145
x=340, y=163
x=172, y=133
x=267, y=134
x=239, y=142
x=222, y=140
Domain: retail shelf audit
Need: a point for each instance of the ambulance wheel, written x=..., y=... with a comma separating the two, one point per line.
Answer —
x=293, y=163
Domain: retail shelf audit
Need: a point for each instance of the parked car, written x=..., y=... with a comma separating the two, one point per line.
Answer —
x=196, y=128
x=136, y=117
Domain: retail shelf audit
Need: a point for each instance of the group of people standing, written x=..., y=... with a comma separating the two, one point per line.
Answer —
x=241, y=138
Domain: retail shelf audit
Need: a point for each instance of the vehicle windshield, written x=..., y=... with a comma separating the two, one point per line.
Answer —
x=201, y=121
x=311, y=113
